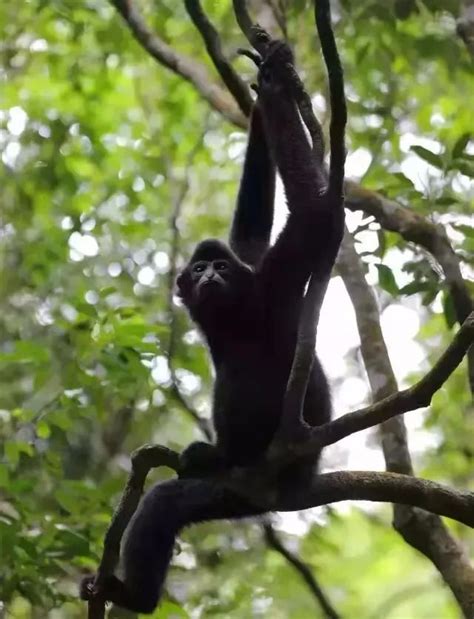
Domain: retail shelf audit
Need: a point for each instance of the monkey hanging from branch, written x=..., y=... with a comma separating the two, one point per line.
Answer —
x=247, y=298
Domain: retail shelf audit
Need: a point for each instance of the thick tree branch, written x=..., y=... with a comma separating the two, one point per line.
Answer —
x=185, y=67
x=303, y=570
x=382, y=487
x=416, y=229
x=323, y=489
x=211, y=38
x=375, y=356
x=424, y=531
x=143, y=459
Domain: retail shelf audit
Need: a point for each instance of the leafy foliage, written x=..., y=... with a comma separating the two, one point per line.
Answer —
x=96, y=141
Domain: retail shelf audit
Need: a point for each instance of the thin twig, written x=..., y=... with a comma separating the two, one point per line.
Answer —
x=307, y=328
x=212, y=40
x=279, y=12
x=303, y=570
x=185, y=67
x=243, y=18
x=178, y=201
x=414, y=397
x=337, y=127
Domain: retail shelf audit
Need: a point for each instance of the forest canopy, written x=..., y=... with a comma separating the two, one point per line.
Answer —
x=122, y=142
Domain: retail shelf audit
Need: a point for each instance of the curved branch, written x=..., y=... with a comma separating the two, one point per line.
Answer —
x=211, y=38
x=323, y=489
x=243, y=18
x=414, y=397
x=417, y=229
x=382, y=487
x=424, y=531
x=292, y=417
x=185, y=67
x=143, y=459
x=322, y=13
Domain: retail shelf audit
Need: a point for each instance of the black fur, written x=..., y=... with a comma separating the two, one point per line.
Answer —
x=247, y=302
x=148, y=547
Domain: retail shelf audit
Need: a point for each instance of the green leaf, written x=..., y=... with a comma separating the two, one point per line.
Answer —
x=169, y=610
x=428, y=156
x=13, y=450
x=449, y=309
x=466, y=230
x=43, y=430
x=460, y=145
x=430, y=296
x=4, y=476
x=465, y=167
x=387, y=279
x=417, y=286
x=104, y=292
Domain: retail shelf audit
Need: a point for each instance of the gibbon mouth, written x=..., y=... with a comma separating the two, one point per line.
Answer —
x=211, y=282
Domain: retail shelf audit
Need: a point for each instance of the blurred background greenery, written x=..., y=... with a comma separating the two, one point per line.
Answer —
x=112, y=168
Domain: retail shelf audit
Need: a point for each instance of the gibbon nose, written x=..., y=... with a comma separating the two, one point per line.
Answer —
x=209, y=273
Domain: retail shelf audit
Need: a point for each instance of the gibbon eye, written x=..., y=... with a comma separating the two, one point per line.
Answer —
x=221, y=265
x=199, y=267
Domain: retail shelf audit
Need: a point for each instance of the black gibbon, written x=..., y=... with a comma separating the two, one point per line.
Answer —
x=246, y=299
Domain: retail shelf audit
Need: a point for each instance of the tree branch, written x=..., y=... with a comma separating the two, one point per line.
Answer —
x=337, y=127
x=143, y=459
x=465, y=24
x=303, y=570
x=416, y=229
x=382, y=487
x=424, y=531
x=177, y=201
x=374, y=354
x=211, y=38
x=389, y=214
x=243, y=19
x=307, y=327
x=185, y=67
x=414, y=397
x=323, y=489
